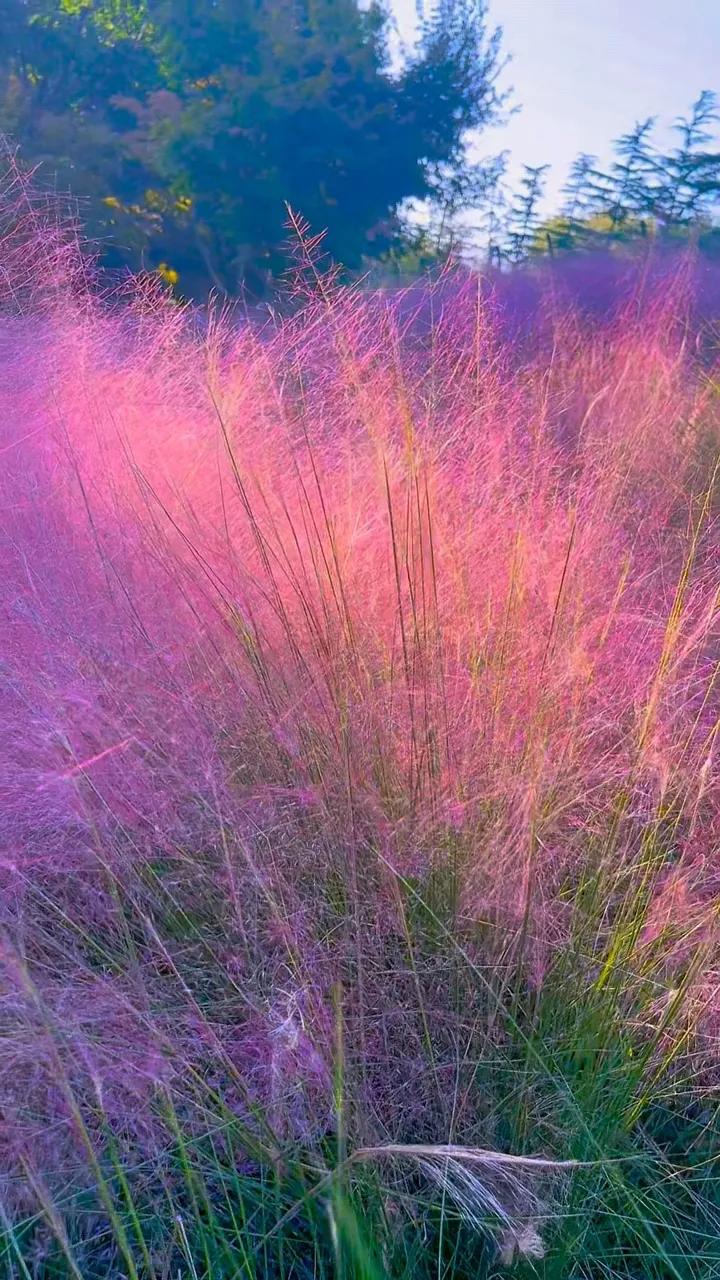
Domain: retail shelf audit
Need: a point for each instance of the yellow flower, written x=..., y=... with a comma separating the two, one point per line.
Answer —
x=168, y=274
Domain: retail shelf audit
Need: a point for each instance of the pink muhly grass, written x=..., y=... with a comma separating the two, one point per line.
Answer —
x=294, y=618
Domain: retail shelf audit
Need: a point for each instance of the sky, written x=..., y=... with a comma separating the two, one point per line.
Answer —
x=584, y=71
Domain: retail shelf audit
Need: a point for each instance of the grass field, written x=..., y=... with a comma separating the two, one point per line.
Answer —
x=359, y=851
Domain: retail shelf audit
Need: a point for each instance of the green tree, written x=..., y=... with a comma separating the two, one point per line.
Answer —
x=524, y=222
x=184, y=126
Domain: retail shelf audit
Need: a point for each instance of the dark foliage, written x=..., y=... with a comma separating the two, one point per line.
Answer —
x=184, y=126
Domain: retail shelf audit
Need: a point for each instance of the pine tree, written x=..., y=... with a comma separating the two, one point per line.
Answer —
x=525, y=219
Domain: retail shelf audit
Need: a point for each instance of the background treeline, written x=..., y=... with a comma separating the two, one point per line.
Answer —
x=183, y=127
x=649, y=190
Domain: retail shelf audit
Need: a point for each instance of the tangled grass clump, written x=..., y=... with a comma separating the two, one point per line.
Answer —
x=360, y=809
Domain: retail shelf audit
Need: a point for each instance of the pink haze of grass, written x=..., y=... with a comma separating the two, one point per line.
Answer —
x=372, y=593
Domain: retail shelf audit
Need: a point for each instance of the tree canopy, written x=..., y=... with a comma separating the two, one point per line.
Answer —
x=184, y=126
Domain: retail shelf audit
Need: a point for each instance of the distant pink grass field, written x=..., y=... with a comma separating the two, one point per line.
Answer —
x=292, y=618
